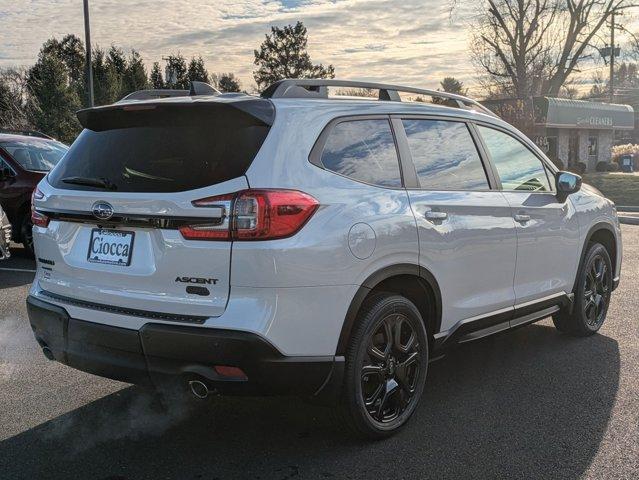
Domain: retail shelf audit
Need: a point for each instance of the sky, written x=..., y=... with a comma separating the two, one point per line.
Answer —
x=400, y=41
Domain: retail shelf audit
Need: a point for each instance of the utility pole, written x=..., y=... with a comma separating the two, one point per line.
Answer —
x=612, y=58
x=87, y=42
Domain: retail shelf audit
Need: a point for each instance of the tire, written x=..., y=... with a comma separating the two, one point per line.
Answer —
x=376, y=404
x=26, y=234
x=592, y=295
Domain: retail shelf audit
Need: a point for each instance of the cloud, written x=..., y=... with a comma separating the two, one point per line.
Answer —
x=399, y=41
x=403, y=41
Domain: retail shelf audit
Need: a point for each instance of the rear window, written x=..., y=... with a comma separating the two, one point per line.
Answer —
x=172, y=150
x=363, y=150
x=35, y=155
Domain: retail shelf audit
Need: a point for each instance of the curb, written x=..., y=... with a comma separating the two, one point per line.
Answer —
x=629, y=220
x=627, y=209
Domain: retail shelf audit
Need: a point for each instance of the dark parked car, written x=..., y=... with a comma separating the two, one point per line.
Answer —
x=24, y=159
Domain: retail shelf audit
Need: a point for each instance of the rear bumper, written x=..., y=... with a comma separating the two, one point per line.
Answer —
x=161, y=353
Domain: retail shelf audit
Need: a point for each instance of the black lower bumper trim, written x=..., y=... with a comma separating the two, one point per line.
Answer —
x=160, y=353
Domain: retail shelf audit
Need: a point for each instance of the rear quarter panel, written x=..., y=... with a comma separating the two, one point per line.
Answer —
x=374, y=222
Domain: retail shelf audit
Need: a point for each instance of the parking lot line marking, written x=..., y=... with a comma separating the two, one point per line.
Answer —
x=18, y=270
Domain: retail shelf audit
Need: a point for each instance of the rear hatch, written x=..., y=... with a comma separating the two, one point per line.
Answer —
x=112, y=210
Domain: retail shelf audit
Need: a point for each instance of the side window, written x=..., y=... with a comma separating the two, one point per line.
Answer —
x=445, y=155
x=363, y=150
x=517, y=167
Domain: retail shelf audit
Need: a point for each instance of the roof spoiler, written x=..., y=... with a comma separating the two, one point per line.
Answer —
x=195, y=89
x=133, y=114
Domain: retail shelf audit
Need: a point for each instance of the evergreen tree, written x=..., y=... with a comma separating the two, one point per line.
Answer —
x=102, y=88
x=116, y=60
x=134, y=74
x=227, y=82
x=283, y=55
x=69, y=50
x=197, y=71
x=177, y=72
x=452, y=85
x=155, y=78
x=14, y=112
x=53, y=99
x=116, y=68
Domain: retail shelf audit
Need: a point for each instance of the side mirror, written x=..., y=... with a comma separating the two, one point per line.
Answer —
x=566, y=184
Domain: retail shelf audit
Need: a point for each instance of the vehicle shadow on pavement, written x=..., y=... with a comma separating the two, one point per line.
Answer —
x=528, y=404
x=16, y=270
x=15, y=279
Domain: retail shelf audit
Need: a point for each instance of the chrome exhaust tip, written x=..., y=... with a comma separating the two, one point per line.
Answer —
x=199, y=389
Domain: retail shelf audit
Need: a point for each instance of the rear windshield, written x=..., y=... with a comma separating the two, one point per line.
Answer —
x=162, y=151
x=34, y=154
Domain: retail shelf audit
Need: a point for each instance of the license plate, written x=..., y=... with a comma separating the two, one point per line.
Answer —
x=112, y=247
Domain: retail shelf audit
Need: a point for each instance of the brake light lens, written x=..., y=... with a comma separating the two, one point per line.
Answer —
x=38, y=219
x=205, y=232
x=271, y=214
x=253, y=215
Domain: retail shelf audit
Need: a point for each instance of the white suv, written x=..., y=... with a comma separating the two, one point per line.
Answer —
x=304, y=244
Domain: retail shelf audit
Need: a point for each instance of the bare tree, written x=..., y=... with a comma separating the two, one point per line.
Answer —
x=510, y=43
x=15, y=111
x=531, y=47
x=582, y=20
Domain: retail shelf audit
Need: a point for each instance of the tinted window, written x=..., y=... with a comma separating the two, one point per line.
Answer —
x=177, y=150
x=517, y=166
x=363, y=150
x=444, y=155
x=36, y=155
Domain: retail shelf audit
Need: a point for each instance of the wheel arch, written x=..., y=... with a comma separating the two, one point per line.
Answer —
x=603, y=233
x=412, y=281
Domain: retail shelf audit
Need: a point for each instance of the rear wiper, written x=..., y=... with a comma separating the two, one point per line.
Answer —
x=91, y=182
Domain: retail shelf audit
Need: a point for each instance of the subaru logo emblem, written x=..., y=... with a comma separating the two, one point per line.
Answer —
x=102, y=210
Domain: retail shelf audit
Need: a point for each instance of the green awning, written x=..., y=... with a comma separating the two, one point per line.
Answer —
x=568, y=113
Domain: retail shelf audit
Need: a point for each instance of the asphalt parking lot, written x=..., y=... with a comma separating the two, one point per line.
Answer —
x=528, y=404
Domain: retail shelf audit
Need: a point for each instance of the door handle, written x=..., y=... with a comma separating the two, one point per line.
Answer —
x=435, y=216
x=521, y=218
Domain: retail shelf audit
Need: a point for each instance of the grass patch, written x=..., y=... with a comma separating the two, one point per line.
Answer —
x=621, y=188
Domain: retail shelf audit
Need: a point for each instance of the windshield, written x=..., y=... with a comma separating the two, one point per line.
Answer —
x=36, y=155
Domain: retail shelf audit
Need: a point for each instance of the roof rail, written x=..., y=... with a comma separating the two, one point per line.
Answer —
x=196, y=88
x=26, y=133
x=317, y=88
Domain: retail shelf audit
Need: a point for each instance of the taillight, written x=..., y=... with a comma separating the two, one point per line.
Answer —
x=220, y=208
x=37, y=218
x=253, y=215
x=271, y=214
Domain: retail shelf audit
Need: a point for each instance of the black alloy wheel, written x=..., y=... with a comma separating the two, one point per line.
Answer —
x=391, y=369
x=386, y=365
x=592, y=295
x=596, y=292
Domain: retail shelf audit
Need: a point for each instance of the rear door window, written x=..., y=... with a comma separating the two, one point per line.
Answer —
x=445, y=155
x=176, y=150
x=363, y=150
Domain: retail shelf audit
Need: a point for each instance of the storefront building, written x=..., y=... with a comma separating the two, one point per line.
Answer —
x=574, y=131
